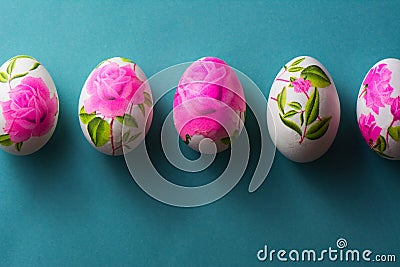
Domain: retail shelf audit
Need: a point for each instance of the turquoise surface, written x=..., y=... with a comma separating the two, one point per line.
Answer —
x=68, y=205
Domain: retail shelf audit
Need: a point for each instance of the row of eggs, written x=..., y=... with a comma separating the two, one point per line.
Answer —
x=115, y=107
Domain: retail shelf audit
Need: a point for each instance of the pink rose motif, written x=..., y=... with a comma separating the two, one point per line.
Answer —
x=30, y=111
x=369, y=130
x=395, y=108
x=211, y=77
x=207, y=78
x=301, y=86
x=111, y=88
x=378, y=89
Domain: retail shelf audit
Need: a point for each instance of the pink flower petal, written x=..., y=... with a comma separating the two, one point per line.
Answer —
x=111, y=88
x=29, y=106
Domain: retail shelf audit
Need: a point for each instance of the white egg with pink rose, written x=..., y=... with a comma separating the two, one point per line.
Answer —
x=378, y=108
x=115, y=95
x=209, y=106
x=29, y=105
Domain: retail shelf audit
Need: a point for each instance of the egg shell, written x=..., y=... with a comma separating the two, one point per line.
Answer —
x=28, y=105
x=209, y=105
x=115, y=106
x=378, y=108
x=303, y=110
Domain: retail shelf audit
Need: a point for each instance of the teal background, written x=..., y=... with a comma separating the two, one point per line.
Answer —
x=68, y=205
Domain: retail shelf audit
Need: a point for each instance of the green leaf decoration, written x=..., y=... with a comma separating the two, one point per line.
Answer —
x=35, y=66
x=291, y=124
x=22, y=56
x=295, y=105
x=316, y=76
x=99, y=131
x=226, y=141
x=380, y=145
x=133, y=137
x=130, y=121
x=5, y=140
x=394, y=132
x=85, y=117
x=318, y=129
x=295, y=69
x=125, y=136
x=302, y=119
x=3, y=77
x=147, y=99
x=282, y=100
x=120, y=119
x=297, y=62
x=278, y=101
x=187, y=139
x=290, y=113
x=11, y=66
x=142, y=109
x=127, y=120
x=235, y=134
x=292, y=79
x=20, y=75
x=128, y=147
x=312, y=107
x=126, y=60
x=18, y=146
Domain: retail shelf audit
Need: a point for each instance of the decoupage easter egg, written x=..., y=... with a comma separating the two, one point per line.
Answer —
x=116, y=95
x=378, y=108
x=28, y=104
x=209, y=105
x=303, y=110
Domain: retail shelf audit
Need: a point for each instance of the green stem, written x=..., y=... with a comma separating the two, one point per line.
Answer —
x=112, y=137
x=282, y=80
x=387, y=133
x=304, y=135
x=363, y=91
x=280, y=75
